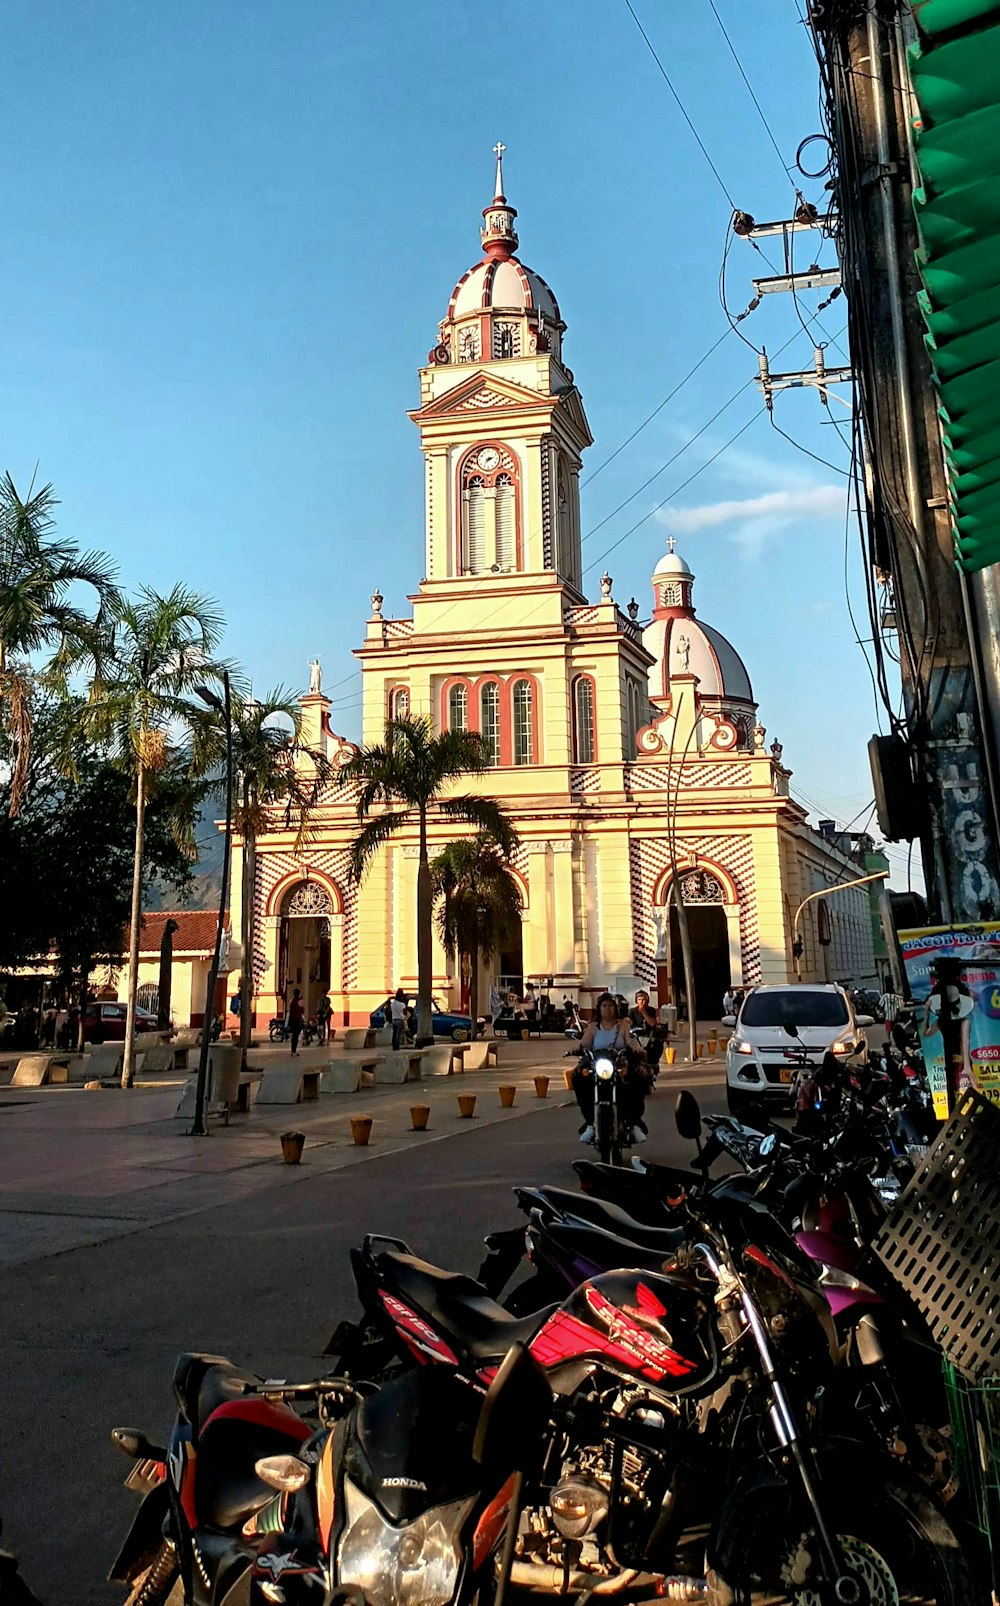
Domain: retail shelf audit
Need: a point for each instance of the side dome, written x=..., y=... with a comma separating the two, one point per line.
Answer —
x=683, y=645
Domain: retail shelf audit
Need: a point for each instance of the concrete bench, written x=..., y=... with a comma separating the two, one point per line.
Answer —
x=104, y=1062
x=479, y=1056
x=245, y=1089
x=289, y=1084
x=34, y=1070
x=341, y=1076
x=159, y=1058
x=444, y=1059
x=402, y=1066
x=358, y=1037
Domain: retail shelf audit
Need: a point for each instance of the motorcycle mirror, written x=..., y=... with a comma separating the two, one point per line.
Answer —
x=518, y=1401
x=790, y=1028
x=687, y=1116
x=284, y=1472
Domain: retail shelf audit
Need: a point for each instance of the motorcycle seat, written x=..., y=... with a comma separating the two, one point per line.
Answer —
x=204, y=1382
x=458, y=1306
x=585, y=1242
x=611, y=1218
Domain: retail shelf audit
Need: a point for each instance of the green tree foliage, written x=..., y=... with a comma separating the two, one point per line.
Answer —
x=399, y=781
x=41, y=578
x=479, y=903
x=141, y=710
x=66, y=857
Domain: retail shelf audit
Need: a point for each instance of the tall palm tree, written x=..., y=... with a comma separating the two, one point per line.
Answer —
x=480, y=905
x=160, y=650
x=406, y=775
x=275, y=772
x=37, y=573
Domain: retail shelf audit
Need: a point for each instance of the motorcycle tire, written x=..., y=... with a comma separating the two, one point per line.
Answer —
x=160, y=1584
x=603, y=1134
x=891, y=1533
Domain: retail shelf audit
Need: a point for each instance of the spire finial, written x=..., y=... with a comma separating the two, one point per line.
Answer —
x=498, y=150
x=671, y=543
x=499, y=236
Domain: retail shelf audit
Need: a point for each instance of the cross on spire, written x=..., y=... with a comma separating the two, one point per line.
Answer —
x=671, y=543
x=498, y=150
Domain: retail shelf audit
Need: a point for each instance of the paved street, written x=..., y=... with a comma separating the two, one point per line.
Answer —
x=124, y=1241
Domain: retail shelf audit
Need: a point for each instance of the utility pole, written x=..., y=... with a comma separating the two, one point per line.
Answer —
x=936, y=779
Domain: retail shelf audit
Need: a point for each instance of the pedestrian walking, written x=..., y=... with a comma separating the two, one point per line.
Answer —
x=296, y=1017
x=729, y=1002
x=324, y=1013
x=398, y=1011
x=890, y=1004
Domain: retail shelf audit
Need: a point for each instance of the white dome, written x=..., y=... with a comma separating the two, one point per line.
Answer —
x=683, y=640
x=506, y=285
x=673, y=564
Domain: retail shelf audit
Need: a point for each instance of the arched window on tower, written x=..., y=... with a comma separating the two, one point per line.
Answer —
x=489, y=720
x=473, y=525
x=521, y=706
x=583, y=720
x=458, y=708
x=399, y=702
x=506, y=523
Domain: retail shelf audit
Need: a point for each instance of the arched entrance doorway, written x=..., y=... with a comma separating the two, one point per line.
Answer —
x=307, y=914
x=705, y=900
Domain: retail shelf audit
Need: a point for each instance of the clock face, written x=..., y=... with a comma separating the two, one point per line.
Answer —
x=488, y=458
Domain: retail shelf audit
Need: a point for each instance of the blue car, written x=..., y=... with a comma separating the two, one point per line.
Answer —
x=443, y=1021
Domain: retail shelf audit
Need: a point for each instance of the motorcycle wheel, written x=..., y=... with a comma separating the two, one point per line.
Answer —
x=603, y=1138
x=274, y=1032
x=894, y=1537
x=160, y=1584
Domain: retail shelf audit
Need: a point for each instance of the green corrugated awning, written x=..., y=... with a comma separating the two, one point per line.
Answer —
x=955, y=69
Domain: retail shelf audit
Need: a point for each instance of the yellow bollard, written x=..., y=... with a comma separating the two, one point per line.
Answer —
x=669, y=1054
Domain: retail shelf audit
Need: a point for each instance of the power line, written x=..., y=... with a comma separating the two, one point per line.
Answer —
x=681, y=107
x=800, y=448
x=750, y=90
x=658, y=409
x=676, y=491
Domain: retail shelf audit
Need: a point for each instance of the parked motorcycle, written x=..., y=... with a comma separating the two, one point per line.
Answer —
x=679, y=1404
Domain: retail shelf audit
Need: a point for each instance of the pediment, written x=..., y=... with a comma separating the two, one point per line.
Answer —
x=482, y=393
x=571, y=408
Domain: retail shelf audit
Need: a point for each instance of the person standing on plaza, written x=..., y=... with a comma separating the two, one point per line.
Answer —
x=729, y=1002
x=324, y=1011
x=296, y=1016
x=398, y=1011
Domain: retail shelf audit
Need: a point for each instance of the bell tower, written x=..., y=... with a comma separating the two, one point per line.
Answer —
x=502, y=425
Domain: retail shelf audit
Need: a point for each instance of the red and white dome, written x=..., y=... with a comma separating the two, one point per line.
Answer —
x=499, y=308
x=506, y=285
x=683, y=645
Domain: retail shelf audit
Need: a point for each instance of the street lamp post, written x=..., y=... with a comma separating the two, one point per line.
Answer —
x=223, y=706
x=821, y=892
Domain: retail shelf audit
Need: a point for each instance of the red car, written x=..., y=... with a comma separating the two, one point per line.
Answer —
x=105, y=1022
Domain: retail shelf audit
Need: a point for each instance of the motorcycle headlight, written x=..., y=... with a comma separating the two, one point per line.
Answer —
x=604, y=1068
x=416, y=1564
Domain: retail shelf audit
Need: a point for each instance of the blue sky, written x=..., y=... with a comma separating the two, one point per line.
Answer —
x=232, y=230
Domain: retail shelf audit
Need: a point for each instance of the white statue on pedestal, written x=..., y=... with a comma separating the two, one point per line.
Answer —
x=660, y=929
x=315, y=677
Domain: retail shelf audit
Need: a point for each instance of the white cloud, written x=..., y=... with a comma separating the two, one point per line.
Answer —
x=771, y=510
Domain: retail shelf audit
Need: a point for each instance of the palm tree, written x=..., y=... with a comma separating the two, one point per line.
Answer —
x=274, y=771
x=406, y=775
x=37, y=572
x=480, y=905
x=161, y=649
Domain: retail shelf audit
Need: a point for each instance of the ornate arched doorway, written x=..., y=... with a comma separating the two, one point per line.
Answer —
x=713, y=921
x=305, y=934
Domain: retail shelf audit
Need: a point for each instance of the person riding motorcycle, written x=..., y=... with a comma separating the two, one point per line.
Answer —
x=608, y=1033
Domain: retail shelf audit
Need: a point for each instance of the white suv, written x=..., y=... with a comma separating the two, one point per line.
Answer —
x=762, y=1053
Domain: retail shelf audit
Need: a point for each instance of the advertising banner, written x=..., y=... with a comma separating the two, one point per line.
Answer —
x=953, y=977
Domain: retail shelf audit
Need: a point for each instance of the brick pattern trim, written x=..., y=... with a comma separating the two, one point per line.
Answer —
x=648, y=859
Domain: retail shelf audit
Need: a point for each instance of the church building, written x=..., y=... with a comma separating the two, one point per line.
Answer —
x=626, y=753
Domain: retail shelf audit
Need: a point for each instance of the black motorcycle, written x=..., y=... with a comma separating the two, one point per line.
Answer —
x=612, y=1119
